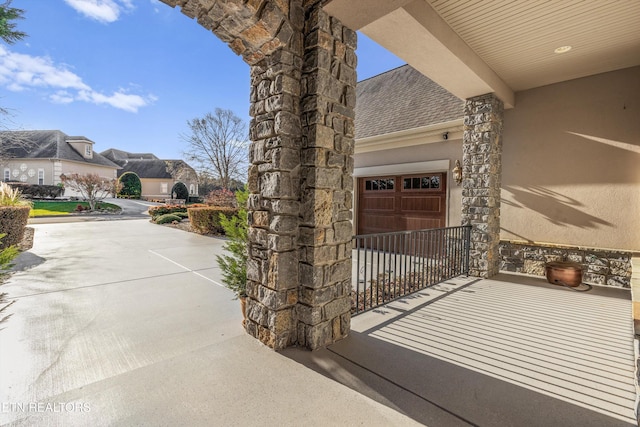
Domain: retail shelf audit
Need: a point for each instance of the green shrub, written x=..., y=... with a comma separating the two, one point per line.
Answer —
x=234, y=265
x=206, y=220
x=157, y=211
x=131, y=185
x=7, y=255
x=14, y=214
x=167, y=218
x=180, y=191
x=183, y=215
x=38, y=191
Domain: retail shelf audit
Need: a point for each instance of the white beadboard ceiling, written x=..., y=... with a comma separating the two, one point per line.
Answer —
x=517, y=38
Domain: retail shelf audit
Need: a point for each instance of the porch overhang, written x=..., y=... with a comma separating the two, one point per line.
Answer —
x=415, y=32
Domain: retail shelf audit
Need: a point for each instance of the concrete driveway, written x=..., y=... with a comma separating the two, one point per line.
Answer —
x=133, y=208
x=125, y=323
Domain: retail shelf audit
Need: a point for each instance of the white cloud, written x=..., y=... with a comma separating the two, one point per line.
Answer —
x=105, y=11
x=61, y=97
x=119, y=99
x=19, y=72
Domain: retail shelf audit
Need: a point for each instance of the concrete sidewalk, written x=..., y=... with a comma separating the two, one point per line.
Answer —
x=125, y=323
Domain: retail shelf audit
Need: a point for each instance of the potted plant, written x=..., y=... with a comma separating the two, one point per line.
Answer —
x=234, y=262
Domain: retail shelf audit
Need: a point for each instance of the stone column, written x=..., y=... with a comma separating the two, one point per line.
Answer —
x=328, y=103
x=274, y=187
x=300, y=184
x=300, y=181
x=482, y=169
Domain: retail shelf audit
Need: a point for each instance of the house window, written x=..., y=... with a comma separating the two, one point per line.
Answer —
x=164, y=188
x=192, y=189
x=7, y=174
x=40, y=176
x=87, y=150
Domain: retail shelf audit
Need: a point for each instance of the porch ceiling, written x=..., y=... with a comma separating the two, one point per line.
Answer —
x=472, y=47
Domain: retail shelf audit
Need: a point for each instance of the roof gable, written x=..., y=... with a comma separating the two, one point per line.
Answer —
x=49, y=144
x=402, y=99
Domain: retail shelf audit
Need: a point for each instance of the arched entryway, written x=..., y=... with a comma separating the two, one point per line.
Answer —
x=302, y=131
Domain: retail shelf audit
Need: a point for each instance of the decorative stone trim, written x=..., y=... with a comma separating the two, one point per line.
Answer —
x=604, y=267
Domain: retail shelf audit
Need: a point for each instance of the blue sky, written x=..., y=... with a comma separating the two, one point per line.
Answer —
x=127, y=74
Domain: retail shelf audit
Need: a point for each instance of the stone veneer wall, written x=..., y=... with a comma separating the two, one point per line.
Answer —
x=481, y=170
x=601, y=266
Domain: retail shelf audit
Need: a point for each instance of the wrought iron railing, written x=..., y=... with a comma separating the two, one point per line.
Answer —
x=389, y=266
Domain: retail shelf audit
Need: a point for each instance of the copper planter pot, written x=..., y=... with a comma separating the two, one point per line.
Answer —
x=564, y=273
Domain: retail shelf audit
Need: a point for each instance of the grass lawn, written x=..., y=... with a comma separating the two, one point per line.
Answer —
x=46, y=208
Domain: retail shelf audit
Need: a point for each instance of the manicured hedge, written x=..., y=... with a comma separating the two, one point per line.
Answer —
x=167, y=218
x=38, y=191
x=156, y=211
x=206, y=220
x=13, y=221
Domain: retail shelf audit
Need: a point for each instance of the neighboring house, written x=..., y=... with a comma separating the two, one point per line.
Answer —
x=157, y=176
x=43, y=155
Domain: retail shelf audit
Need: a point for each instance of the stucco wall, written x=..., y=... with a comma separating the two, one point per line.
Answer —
x=153, y=187
x=30, y=172
x=87, y=168
x=450, y=150
x=571, y=156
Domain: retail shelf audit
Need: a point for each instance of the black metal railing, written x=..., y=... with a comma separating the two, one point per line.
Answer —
x=392, y=265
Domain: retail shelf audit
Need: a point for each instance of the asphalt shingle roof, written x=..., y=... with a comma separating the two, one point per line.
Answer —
x=115, y=154
x=49, y=144
x=402, y=99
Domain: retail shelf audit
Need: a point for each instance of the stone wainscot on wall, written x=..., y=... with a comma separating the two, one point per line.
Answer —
x=602, y=267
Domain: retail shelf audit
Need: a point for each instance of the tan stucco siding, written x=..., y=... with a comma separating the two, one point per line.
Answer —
x=450, y=151
x=26, y=170
x=87, y=168
x=153, y=187
x=571, y=156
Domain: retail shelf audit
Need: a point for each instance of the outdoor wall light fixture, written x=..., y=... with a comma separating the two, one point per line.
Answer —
x=445, y=136
x=457, y=173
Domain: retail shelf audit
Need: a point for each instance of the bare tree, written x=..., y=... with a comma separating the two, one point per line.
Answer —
x=217, y=145
x=91, y=187
x=13, y=143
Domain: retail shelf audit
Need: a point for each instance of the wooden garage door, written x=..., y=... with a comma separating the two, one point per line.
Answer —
x=401, y=202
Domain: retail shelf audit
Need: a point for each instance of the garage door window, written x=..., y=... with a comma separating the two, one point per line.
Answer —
x=425, y=182
x=381, y=184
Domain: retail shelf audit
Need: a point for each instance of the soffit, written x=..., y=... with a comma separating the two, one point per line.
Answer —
x=472, y=47
x=517, y=38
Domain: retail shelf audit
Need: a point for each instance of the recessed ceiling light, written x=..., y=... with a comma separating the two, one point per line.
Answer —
x=562, y=49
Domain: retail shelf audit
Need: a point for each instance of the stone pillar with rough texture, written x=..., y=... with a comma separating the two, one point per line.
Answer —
x=303, y=82
x=274, y=206
x=482, y=168
x=328, y=103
